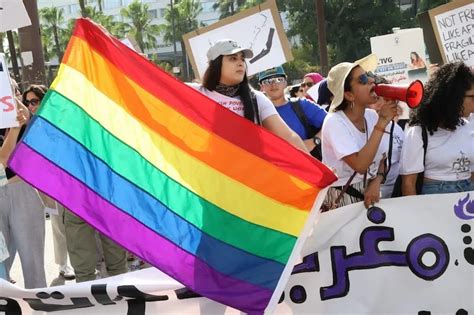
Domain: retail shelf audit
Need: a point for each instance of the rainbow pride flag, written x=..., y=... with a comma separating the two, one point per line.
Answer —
x=204, y=195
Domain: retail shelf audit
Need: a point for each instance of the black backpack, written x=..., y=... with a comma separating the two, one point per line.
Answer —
x=311, y=131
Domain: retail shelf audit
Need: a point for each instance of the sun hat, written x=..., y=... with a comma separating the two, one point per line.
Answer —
x=226, y=47
x=338, y=74
x=272, y=72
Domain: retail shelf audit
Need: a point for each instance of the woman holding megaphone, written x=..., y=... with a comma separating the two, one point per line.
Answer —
x=441, y=160
x=352, y=134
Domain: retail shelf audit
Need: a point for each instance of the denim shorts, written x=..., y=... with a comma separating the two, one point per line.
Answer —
x=444, y=187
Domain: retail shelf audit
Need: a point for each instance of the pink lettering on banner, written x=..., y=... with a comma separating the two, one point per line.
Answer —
x=6, y=104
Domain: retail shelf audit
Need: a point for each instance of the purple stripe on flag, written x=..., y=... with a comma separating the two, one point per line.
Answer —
x=134, y=236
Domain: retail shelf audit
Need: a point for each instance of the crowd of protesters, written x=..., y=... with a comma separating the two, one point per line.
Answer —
x=347, y=126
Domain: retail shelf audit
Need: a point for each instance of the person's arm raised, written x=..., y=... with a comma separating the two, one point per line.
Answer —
x=360, y=161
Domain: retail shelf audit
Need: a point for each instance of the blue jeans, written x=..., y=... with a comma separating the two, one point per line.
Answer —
x=444, y=187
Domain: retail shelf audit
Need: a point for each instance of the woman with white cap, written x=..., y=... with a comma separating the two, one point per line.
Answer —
x=352, y=134
x=225, y=81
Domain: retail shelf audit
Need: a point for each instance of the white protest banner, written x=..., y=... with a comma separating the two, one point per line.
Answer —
x=453, y=24
x=258, y=28
x=410, y=255
x=13, y=15
x=7, y=101
x=402, y=58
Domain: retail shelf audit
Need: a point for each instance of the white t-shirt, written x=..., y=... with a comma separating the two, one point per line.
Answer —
x=265, y=106
x=341, y=138
x=398, y=138
x=448, y=155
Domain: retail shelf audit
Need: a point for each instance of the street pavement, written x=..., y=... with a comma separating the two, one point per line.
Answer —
x=51, y=269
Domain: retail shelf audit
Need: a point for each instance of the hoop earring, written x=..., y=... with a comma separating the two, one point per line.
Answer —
x=352, y=105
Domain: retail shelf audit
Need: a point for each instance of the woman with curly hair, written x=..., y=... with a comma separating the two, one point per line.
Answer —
x=448, y=162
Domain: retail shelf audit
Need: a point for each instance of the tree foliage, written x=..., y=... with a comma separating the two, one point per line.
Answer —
x=185, y=14
x=349, y=24
x=141, y=28
x=53, y=27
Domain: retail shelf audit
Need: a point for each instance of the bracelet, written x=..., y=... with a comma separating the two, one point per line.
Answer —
x=380, y=129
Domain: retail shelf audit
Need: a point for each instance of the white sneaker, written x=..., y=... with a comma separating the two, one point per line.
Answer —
x=67, y=272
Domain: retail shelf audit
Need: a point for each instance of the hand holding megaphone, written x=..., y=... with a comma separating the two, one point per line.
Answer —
x=410, y=94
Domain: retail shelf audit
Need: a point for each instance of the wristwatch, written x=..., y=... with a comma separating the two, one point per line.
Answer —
x=316, y=140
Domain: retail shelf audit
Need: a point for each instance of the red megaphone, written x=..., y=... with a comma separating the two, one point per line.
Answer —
x=410, y=94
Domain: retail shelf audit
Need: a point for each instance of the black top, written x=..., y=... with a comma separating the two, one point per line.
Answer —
x=8, y=171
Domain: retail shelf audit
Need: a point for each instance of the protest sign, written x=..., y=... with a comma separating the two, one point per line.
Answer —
x=402, y=58
x=258, y=28
x=411, y=255
x=7, y=100
x=453, y=24
x=13, y=15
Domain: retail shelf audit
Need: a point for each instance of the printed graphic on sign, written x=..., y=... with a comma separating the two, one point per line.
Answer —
x=402, y=58
x=258, y=29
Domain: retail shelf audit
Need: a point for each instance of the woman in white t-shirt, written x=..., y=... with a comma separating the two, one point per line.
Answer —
x=225, y=81
x=444, y=113
x=352, y=133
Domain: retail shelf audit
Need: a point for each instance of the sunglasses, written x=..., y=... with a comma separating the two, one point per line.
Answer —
x=363, y=79
x=33, y=102
x=273, y=81
x=308, y=84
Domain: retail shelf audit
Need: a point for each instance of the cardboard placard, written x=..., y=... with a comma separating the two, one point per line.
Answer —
x=402, y=58
x=13, y=15
x=258, y=28
x=7, y=98
x=453, y=25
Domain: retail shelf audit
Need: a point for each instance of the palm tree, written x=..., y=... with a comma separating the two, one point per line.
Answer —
x=82, y=4
x=2, y=50
x=141, y=29
x=53, y=22
x=116, y=28
x=231, y=7
x=85, y=12
x=16, y=44
x=185, y=20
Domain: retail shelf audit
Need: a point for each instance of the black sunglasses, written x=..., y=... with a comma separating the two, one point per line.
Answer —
x=33, y=102
x=308, y=84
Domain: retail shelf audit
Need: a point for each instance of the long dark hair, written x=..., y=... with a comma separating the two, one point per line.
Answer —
x=211, y=80
x=417, y=57
x=442, y=104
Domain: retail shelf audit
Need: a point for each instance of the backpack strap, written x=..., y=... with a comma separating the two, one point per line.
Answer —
x=310, y=130
x=253, y=97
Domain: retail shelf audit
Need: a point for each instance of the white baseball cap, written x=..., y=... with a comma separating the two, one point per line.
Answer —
x=226, y=47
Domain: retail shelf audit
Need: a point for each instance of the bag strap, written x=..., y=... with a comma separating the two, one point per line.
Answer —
x=253, y=96
x=344, y=189
x=310, y=130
